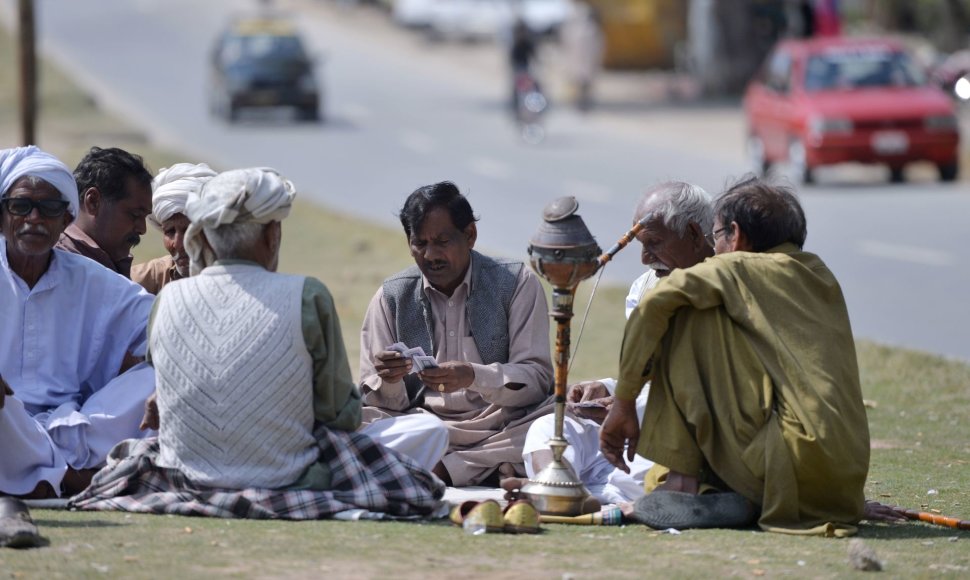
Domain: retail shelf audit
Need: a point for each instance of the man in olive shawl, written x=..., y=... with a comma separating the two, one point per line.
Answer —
x=755, y=385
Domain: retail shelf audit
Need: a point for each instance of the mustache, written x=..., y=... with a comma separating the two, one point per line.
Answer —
x=657, y=266
x=35, y=230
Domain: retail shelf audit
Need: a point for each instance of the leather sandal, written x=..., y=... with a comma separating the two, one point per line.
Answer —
x=487, y=514
x=521, y=517
x=17, y=530
x=662, y=509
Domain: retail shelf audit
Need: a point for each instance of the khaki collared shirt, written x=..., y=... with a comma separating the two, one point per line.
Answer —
x=155, y=274
x=529, y=364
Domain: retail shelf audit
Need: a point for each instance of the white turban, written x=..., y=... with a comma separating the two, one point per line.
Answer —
x=171, y=188
x=31, y=161
x=257, y=195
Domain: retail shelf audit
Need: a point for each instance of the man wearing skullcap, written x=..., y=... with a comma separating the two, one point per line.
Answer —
x=170, y=190
x=257, y=408
x=66, y=326
x=115, y=197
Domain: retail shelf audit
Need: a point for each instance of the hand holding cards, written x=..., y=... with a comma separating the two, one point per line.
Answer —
x=419, y=360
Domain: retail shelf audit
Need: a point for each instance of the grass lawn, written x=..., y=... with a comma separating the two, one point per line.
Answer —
x=918, y=410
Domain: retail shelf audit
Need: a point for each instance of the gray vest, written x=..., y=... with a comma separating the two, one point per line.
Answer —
x=493, y=285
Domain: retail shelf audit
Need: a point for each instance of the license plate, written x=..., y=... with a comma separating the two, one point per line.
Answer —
x=890, y=142
x=261, y=98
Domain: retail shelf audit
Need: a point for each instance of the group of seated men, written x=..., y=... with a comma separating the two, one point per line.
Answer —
x=207, y=383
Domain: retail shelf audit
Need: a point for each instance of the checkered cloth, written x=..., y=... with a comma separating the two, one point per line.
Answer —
x=366, y=475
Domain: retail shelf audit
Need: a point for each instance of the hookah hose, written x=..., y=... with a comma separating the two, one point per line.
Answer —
x=603, y=260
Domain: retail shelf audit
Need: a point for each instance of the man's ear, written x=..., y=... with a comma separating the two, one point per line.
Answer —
x=273, y=233
x=471, y=234
x=739, y=240
x=91, y=200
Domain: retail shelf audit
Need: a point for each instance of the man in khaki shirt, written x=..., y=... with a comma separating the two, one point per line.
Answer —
x=755, y=385
x=485, y=321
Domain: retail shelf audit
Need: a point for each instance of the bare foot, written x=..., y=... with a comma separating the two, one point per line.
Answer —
x=680, y=482
x=513, y=487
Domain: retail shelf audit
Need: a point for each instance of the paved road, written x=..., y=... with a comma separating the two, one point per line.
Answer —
x=401, y=113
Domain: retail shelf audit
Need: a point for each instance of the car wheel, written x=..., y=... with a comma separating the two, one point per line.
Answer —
x=757, y=161
x=798, y=163
x=949, y=171
x=896, y=175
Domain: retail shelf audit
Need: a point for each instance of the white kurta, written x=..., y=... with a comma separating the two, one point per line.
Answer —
x=61, y=345
x=605, y=482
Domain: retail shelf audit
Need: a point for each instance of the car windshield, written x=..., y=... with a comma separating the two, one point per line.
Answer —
x=261, y=47
x=860, y=68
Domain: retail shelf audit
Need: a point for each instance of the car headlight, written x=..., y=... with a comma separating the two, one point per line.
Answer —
x=828, y=126
x=307, y=83
x=940, y=123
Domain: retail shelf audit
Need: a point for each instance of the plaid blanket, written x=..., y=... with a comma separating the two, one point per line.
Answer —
x=366, y=475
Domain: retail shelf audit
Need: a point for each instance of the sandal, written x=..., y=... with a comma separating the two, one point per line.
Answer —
x=17, y=530
x=486, y=514
x=663, y=509
x=521, y=517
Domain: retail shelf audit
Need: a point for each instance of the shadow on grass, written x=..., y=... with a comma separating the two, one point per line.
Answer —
x=75, y=524
x=910, y=531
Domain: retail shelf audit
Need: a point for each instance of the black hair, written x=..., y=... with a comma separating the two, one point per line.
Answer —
x=768, y=214
x=443, y=194
x=108, y=169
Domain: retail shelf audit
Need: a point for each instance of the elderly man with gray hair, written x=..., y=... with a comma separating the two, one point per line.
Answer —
x=257, y=407
x=677, y=215
x=170, y=192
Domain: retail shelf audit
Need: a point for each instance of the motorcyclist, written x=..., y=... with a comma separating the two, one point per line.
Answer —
x=522, y=51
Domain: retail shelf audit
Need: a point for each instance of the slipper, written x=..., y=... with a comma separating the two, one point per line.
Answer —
x=662, y=509
x=17, y=530
x=521, y=517
x=482, y=514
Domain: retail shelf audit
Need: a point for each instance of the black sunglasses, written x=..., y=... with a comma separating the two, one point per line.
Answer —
x=21, y=206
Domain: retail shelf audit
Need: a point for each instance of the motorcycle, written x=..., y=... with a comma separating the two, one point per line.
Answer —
x=530, y=106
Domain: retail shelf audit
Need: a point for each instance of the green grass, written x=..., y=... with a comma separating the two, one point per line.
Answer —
x=917, y=420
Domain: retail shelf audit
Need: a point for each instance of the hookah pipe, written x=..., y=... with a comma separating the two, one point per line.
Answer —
x=624, y=240
x=932, y=518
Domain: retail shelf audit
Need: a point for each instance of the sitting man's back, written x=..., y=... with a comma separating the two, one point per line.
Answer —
x=256, y=405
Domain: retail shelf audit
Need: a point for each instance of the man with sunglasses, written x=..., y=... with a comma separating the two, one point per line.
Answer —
x=66, y=325
x=115, y=198
x=754, y=382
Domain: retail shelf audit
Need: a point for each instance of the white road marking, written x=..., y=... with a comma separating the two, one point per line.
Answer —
x=587, y=191
x=418, y=142
x=905, y=253
x=488, y=167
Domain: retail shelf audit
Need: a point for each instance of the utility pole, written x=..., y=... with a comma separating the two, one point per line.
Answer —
x=28, y=73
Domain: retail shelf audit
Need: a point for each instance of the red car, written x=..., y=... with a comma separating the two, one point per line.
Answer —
x=824, y=101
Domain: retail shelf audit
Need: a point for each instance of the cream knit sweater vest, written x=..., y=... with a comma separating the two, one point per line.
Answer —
x=235, y=393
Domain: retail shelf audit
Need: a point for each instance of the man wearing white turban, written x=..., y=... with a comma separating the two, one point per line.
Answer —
x=66, y=326
x=421, y=437
x=170, y=191
x=256, y=405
